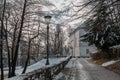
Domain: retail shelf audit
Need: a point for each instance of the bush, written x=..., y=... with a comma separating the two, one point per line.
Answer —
x=97, y=55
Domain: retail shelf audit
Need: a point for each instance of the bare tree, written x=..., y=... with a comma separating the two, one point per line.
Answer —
x=1, y=39
x=29, y=46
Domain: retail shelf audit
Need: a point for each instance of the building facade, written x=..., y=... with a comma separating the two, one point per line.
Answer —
x=79, y=48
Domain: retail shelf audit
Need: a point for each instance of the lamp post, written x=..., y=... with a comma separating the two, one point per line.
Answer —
x=47, y=20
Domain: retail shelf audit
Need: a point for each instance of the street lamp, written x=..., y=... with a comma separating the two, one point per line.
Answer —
x=47, y=20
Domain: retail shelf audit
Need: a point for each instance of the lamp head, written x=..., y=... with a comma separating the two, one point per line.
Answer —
x=47, y=19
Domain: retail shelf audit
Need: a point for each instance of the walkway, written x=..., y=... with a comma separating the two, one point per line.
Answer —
x=86, y=70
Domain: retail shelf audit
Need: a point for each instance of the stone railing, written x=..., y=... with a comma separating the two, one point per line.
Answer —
x=46, y=73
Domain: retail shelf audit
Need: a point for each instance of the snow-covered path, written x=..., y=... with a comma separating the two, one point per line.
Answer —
x=85, y=70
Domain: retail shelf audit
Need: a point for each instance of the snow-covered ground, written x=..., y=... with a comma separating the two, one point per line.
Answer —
x=18, y=68
x=38, y=65
x=41, y=64
x=109, y=63
x=86, y=70
x=62, y=75
x=70, y=63
x=81, y=73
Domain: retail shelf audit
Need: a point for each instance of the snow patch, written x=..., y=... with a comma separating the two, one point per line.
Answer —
x=116, y=46
x=83, y=74
x=62, y=75
x=109, y=63
x=70, y=63
x=59, y=76
x=36, y=66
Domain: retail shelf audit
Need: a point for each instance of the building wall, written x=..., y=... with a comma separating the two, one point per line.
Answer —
x=81, y=49
x=85, y=49
x=74, y=43
x=71, y=44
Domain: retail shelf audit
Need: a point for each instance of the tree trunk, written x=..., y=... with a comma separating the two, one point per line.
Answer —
x=18, y=40
x=1, y=41
x=6, y=38
x=28, y=57
x=28, y=51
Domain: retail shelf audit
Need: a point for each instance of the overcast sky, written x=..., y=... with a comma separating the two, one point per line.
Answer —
x=60, y=5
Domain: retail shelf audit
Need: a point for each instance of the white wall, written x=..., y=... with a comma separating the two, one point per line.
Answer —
x=79, y=47
x=74, y=43
x=83, y=46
